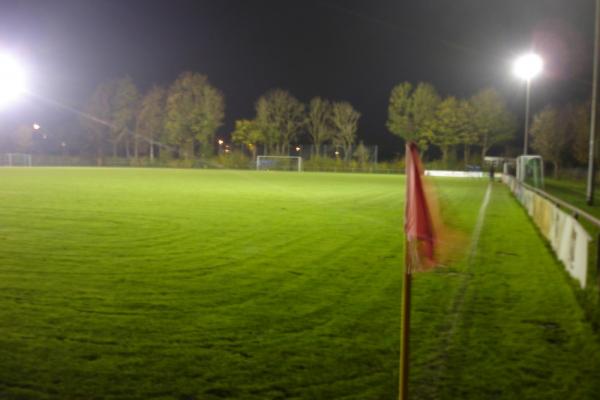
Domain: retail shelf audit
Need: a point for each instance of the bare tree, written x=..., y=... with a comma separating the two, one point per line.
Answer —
x=280, y=116
x=96, y=119
x=318, y=122
x=344, y=119
x=150, y=119
x=124, y=103
x=549, y=132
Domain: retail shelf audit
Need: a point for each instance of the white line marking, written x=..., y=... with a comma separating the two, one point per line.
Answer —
x=459, y=299
x=479, y=223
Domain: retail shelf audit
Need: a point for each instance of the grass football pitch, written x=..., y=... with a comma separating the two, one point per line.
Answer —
x=187, y=284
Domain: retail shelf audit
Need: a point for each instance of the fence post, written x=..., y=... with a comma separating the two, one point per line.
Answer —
x=598, y=258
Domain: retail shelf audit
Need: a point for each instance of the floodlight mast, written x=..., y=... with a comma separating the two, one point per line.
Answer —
x=527, y=67
x=591, y=177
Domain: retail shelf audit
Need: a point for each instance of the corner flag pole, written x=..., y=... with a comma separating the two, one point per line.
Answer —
x=405, y=328
x=419, y=243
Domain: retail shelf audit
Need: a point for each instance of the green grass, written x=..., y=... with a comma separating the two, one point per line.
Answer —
x=573, y=192
x=183, y=284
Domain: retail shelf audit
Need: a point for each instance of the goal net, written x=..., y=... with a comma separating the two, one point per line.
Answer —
x=279, y=163
x=15, y=160
x=530, y=169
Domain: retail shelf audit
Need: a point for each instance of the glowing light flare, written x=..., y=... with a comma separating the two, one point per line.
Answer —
x=36, y=127
x=298, y=148
x=528, y=66
x=12, y=79
x=221, y=142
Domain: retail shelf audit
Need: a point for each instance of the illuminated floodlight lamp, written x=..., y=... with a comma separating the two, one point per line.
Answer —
x=528, y=66
x=12, y=79
x=36, y=127
x=298, y=148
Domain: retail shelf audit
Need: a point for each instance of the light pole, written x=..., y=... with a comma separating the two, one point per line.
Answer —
x=12, y=79
x=527, y=67
x=591, y=178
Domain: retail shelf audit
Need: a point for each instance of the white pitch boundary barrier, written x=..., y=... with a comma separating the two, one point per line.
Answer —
x=455, y=174
x=569, y=240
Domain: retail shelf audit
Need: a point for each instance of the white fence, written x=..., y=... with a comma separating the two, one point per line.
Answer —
x=454, y=174
x=569, y=240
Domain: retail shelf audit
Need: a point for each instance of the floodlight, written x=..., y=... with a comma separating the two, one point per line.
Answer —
x=12, y=79
x=528, y=66
x=36, y=127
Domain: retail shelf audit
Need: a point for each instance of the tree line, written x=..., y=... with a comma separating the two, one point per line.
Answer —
x=560, y=134
x=181, y=120
x=418, y=113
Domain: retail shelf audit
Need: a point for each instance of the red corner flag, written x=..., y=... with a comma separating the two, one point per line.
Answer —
x=418, y=226
x=418, y=251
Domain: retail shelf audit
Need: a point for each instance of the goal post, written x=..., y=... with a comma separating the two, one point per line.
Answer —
x=279, y=163
x=15, y=160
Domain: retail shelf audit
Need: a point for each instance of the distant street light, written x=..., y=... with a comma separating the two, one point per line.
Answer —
x=527, y=67
x=36, y=127
x=298, y=148
x=12, y=79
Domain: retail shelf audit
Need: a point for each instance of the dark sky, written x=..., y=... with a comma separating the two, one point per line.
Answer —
x=342, y=50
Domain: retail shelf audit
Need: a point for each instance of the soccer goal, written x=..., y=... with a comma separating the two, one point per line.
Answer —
x=15, y=160
x=279, y=163
x=530, y=169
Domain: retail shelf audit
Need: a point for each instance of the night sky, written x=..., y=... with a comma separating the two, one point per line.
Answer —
x=342, y=50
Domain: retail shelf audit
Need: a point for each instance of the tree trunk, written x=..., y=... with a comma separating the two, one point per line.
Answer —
x=555, y=169
x=445, y=151
x=127, y=154
x=467, y=154
x=151, y=150
x=99, y=155
x=347, y=151
x=135, y=147
x=484, y=148
x=114, y=149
